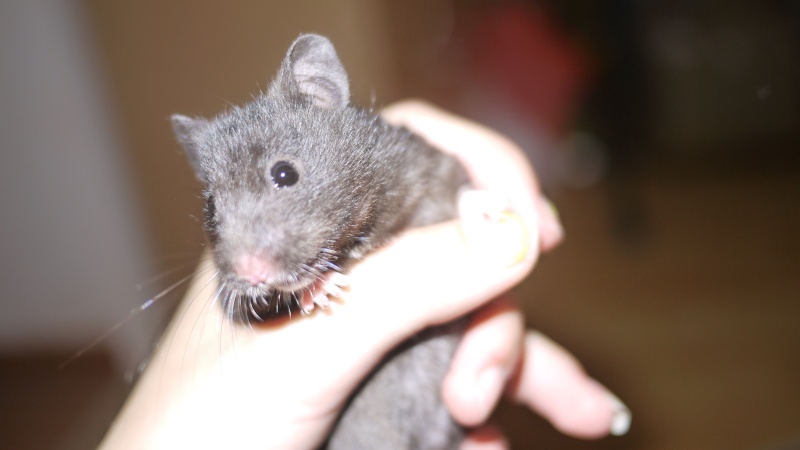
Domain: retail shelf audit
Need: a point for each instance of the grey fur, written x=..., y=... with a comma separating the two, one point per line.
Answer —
x=361, y=181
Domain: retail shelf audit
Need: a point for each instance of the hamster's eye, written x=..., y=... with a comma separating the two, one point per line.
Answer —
x=210, y=221
x=284, y=174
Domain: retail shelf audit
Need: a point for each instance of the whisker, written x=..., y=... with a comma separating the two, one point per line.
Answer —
x=232, y=305
x=164, y=274
x=232, y=331
x=264, y=300
x=171, y=337
x=194, y=326
x=133, y=312
x=253, y=311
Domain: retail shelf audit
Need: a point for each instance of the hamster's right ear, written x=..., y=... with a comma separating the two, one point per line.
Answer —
x=189, y=131
x=312, y=71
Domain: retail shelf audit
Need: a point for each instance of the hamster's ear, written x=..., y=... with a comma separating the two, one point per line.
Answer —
x=313, y=71
x=189, y=132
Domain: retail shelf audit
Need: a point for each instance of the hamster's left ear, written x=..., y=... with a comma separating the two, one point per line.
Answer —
x=312, y=70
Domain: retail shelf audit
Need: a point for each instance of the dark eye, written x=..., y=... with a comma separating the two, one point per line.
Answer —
x=283, y=174
x=211, y=219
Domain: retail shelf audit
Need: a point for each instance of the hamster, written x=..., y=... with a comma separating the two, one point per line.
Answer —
x=298, y=185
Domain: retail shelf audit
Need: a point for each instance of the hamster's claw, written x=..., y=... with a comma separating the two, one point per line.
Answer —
x=333, y=285
x=306, y=303
x=336, y=284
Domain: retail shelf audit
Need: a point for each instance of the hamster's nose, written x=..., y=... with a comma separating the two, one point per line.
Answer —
x=253, y=269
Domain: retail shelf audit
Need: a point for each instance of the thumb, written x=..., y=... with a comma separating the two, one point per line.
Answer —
x=434, y=274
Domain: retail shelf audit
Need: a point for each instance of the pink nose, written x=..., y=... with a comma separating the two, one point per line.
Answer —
x=253, y=269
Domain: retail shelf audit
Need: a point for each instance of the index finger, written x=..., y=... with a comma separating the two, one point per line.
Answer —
x=494, y=162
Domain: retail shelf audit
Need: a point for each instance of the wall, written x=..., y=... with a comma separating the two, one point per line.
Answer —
x=71, y=240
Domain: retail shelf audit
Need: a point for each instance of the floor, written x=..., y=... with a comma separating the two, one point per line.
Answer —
x=46, y=407
x=694, y=320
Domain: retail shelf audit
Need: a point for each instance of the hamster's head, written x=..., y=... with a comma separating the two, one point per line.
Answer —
x=288, y=177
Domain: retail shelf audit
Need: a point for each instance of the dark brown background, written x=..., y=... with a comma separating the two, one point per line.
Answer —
x=678, y=283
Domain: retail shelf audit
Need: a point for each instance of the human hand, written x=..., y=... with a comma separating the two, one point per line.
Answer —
x=211, y=385
x=497, y=355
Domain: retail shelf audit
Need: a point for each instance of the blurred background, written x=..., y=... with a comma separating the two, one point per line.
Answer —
x=666, y=132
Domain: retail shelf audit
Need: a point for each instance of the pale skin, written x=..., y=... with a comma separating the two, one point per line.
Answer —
x=211, y=385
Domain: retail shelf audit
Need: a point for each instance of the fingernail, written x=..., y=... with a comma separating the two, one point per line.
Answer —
x=490, y=383
x=551, y=219
x=621, y=420
x=554, y=214
x=498, y=235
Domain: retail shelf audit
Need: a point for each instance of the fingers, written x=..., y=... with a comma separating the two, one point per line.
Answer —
x=487, y=437
x=549, y=380
x=550, y=230
x=476, y=258
x=484, y=361
x=552, y=383
x=495, y=163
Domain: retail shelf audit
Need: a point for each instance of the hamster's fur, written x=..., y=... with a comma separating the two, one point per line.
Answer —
x=298, y=184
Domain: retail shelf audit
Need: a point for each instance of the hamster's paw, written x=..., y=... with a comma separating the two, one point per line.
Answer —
x=331, y=286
